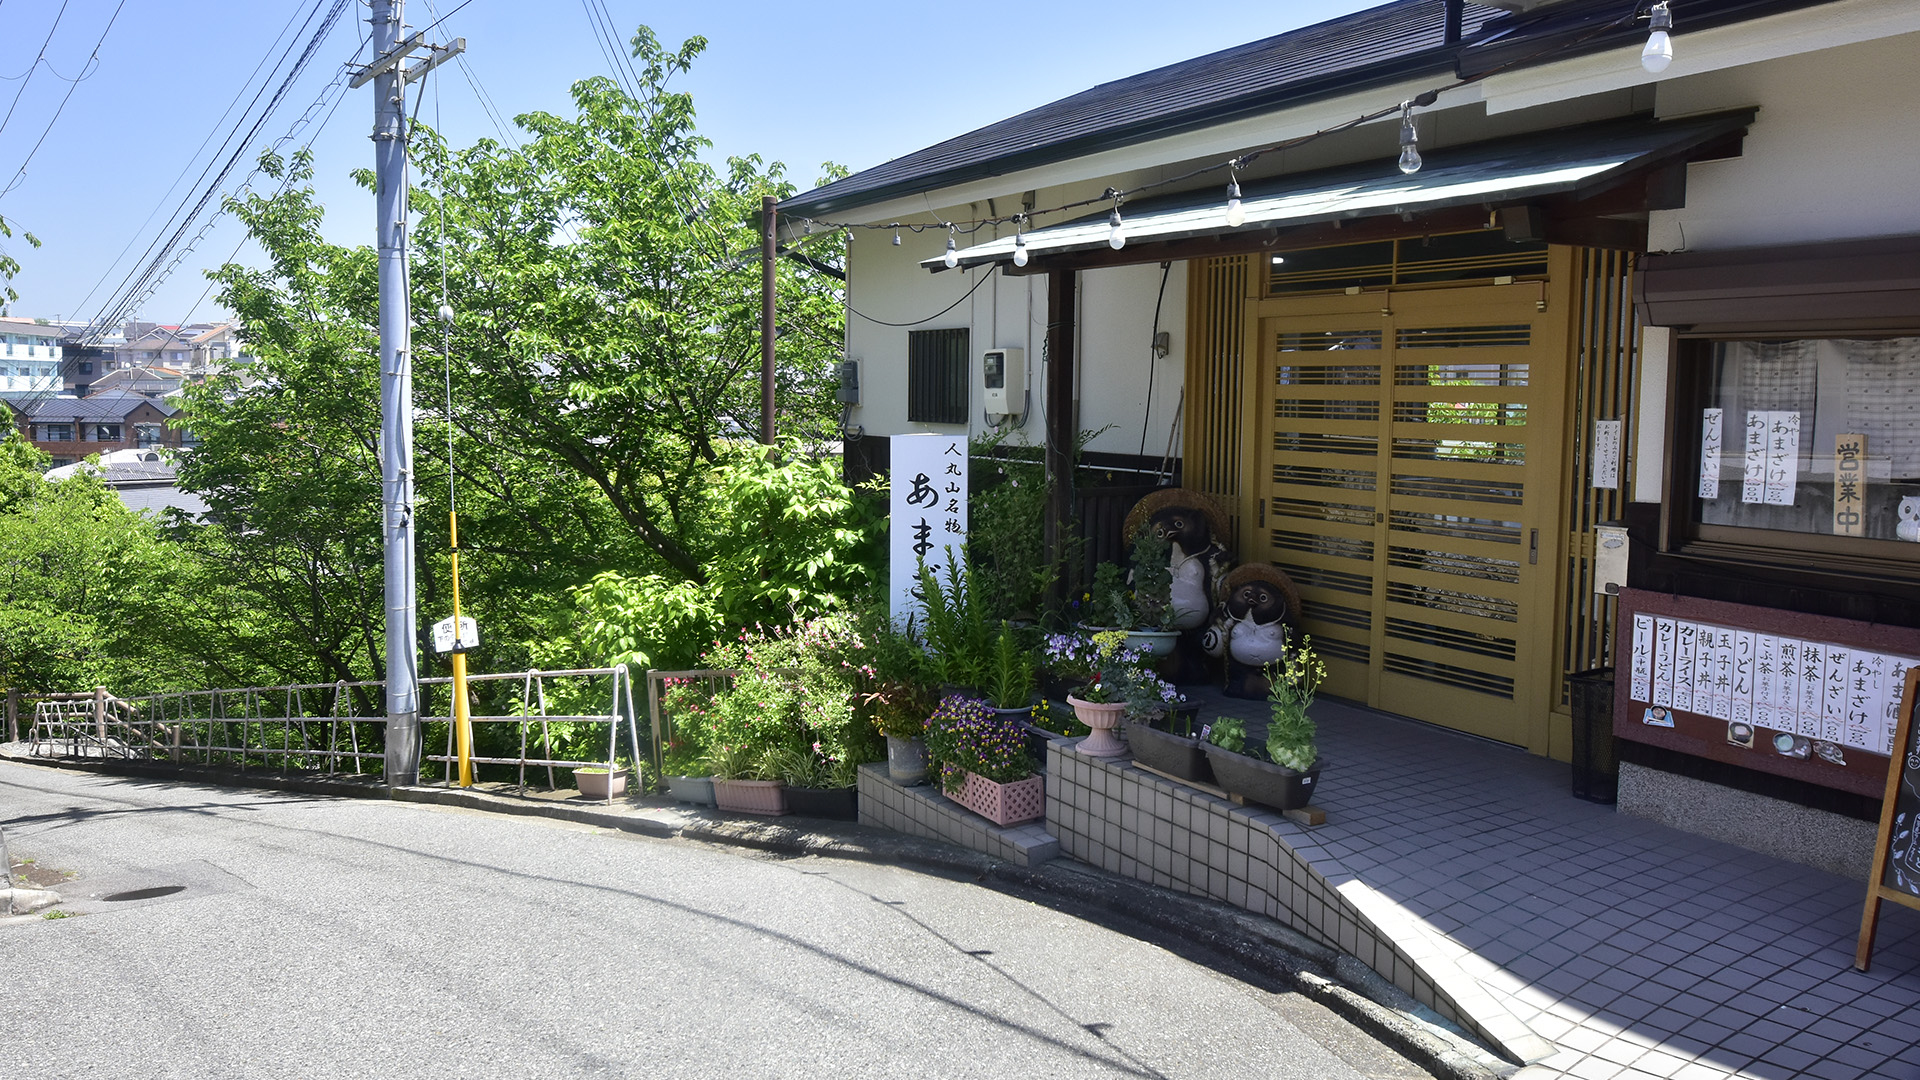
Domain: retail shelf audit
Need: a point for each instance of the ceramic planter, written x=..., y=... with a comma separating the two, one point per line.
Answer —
x=1174, y=755
x=834, y=804
x=767, y=797
x=906, y=760
x=599, y=783
x=1262, y=781
x=697, y=790
x=1153, y=642
x=1004, y=804
x=1103, y=718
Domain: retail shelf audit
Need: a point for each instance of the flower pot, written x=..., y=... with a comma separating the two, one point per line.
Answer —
x=906, y=760
x=1262, y=781
x=750, y=796
x=1103, y=719
x=697, y=790
x=1174, y=755
x=1038, y=738
x=1004, y=804
x=1152, y=642
x=599, y=783
x=834, y=804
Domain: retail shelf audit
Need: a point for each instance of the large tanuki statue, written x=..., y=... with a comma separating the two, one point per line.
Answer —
x=1250, y=627
x=1194, y=527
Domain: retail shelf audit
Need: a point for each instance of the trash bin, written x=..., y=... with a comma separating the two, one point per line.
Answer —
x=1596, y=767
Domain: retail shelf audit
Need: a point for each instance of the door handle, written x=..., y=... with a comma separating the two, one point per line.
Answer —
x=1533, y=547
x=1263, y=513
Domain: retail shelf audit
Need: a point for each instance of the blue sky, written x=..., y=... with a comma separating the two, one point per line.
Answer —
x=854, y=83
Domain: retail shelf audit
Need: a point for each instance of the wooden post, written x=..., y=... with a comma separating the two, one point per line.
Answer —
x=1061, y=430
x=100, y=717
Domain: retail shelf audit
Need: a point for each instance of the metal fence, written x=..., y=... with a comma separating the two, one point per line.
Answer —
x=339, y=728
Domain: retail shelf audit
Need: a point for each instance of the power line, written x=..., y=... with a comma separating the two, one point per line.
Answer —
x=71, y=87
x=35, y=66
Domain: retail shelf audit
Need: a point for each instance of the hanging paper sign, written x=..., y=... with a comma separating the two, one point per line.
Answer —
x=1741, y=709
x=1766, y=665
x=1849, y=485
x=927, y=510
x=1722, y=674
x=1710, y=453
x=1606, y=454
x=445, y=641
x=1642, y=671
x=1833, y=694
x=1753, y=474
x=1663, y=643
x=1684, y=634
x=1783, y=458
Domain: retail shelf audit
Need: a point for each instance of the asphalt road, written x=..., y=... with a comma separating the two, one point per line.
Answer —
x=319, y=937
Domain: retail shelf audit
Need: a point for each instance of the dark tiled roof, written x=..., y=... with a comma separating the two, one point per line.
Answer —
x=1380, y=45
x=97, y=407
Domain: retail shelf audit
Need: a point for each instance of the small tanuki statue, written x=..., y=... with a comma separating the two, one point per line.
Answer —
x=1194, y=527
x=1250, y=626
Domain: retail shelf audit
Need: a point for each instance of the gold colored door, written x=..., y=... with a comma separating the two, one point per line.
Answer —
x=1408, y=449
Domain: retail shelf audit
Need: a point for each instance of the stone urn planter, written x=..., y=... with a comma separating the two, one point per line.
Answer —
x=768, y=797
x=1165, y=752
x=1103, y=719
x=1004, y=804
x=599, y=783
x=906, y=760
x=696, y=790
x=1154, y=643
x=833, y=804
x=1262, y=781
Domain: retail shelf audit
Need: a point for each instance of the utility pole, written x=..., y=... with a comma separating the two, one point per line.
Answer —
x=390, y=78
x=769, y=250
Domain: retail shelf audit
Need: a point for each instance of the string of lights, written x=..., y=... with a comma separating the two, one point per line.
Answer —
x=1655, y=58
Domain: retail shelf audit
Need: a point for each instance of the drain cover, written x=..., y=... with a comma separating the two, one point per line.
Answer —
x=145, y=894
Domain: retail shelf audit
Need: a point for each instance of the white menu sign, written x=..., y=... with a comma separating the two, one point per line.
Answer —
x=927, y=511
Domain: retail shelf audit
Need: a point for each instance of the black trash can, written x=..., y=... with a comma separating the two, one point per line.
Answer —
x=1596, y=766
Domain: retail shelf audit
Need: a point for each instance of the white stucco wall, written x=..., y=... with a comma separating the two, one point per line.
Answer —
x=1834, y=154
x=1114, y=321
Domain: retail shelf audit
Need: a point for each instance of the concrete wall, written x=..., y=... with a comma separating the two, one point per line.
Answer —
x=1834, y=154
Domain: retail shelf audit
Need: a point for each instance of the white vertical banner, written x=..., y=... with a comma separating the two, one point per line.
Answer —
x=1705, y=667
x=1684, y=636
x=1606, y=454
x=1753, y=473
x=1861, y=722
x=1741, y=709
x=1783, y=458
x=1833, y=694
x=1642, y=672
x=1876, y=702
x=1710, y=443
x=1896, y=685
x=1766, y=665
x=927, y=511
x=1722, y=673
x=1786, y=687
x=1663, y=643
x=1813, y=680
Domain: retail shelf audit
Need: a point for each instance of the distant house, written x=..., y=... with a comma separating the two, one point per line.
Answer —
x=69, y=429
x=148, y=381
x=30, y=357
x=145, y=480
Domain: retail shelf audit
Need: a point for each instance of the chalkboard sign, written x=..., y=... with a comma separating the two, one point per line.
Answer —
x=1896, y=856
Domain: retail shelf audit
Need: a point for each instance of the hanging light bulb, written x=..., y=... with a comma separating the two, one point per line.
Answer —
x=1409, y=140
x=1659, y=51
x=1236, y=214
x=952, y=257
x=896, y=238
x=1019, y=240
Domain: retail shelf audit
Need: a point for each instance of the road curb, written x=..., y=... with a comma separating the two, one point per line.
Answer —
x=1264, y=945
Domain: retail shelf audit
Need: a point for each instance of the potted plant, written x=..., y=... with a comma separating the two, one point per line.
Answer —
x=682, y=768
x=744, y=781
x=896, y=673
x=600, y=783
x=816, y=785
x=1284, y=772
x=955, y=626
x=1138, y=602
x=1161, y=728
x=1099, y=705
x=982, y=761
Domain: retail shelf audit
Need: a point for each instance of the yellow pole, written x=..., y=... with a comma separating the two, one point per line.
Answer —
x=462, y=724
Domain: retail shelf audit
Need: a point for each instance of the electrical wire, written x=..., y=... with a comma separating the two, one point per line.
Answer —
x=33, y=67
x=984, y=278
x=92, y=57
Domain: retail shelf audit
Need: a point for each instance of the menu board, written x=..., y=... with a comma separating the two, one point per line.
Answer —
x=1896, y=852
x=1808, y=697
x=1820, y=690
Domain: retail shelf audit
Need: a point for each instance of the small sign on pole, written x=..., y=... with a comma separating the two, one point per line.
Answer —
x=444, y=640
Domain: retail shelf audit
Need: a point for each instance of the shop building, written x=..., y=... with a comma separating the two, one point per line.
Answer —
x=1423, y=394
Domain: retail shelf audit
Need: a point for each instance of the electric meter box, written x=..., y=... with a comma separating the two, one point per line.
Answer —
x=1006, y=381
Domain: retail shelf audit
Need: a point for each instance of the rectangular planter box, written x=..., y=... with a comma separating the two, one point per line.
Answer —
x=834, y=804
x=751, y=796
x=1004, y=804
x=1174, y=755
x=697, y=790
x=1262, y=781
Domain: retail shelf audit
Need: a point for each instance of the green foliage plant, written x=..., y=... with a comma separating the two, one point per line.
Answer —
x=1294, y=679
x=1014, y=672
x=1228, y=733
x=1136, y=600
x=956, y=626
x=965, y=735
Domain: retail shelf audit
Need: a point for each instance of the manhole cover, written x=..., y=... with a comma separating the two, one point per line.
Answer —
x=145, y=894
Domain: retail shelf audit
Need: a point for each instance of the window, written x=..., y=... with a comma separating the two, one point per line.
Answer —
x=1806, y=445
x=145, y=435
x=1480, y=255
x=107, y=432
x=937, y=382
x=56, y=432
x=86, y=367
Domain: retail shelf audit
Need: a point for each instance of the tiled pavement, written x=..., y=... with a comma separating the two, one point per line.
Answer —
x=1638, y=950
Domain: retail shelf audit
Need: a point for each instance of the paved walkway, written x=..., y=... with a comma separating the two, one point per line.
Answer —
x=1638, y=950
